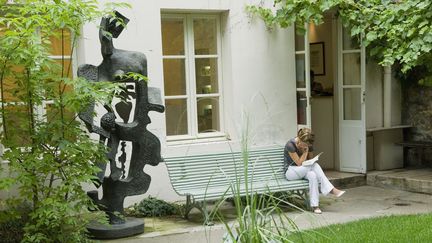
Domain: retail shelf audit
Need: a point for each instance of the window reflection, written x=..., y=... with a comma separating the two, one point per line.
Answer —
x=176, y=117
x=206, y=75
x=205, y=36
x=301, y=108
x=300, y=71
x=173, y=37
x=352, y=104
x=174, y=76
x=208, y=114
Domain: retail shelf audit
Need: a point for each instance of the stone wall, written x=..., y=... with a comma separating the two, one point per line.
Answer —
x=417, y=111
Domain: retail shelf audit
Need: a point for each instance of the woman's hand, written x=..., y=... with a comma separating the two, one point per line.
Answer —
x=303, y=147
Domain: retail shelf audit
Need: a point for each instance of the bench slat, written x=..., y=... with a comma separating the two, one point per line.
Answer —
x=219, y=183
x=218, y=192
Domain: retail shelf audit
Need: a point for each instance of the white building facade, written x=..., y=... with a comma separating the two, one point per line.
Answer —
x=217, y=68
x=221, y=72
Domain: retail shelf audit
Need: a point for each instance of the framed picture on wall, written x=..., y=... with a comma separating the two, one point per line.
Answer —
x=317, y=58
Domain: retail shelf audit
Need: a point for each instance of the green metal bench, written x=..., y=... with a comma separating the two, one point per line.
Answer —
x=210, y=177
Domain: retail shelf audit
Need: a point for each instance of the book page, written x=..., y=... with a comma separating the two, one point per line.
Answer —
x=310, y=162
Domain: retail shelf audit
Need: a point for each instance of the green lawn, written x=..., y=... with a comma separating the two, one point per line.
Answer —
x=409, y=228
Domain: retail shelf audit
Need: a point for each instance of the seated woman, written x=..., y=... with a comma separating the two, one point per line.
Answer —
x=297, y=150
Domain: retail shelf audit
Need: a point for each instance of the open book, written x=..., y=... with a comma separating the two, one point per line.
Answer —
x=310, y=162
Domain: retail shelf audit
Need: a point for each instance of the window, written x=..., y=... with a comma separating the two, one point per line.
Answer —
x=191, y=68
x=17, y=114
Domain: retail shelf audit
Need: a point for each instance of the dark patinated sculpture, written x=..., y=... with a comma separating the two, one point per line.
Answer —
x=145, y=145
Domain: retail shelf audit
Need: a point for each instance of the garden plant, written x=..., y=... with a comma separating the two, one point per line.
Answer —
x=48, y=156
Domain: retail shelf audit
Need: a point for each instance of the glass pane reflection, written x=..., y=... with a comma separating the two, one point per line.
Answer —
x=176, y=117
x=300, y=71
x=349, y=43
x=301, y=108
x=174, y=76
x=208, y=114
x=206, y=75
x=172, y=37
x=352, y=104
x=351, y=69
x=205, y=36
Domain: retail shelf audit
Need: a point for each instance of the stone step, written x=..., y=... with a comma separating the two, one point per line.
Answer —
x=346, y=180
x=413, y=180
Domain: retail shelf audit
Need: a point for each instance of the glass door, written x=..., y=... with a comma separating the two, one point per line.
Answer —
x=351, y=92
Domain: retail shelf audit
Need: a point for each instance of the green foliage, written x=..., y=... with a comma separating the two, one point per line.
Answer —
x=132, y=76
x=395, y=31
x=12, y=222
x=50, y=156
x=12, y=231
x=153, y=207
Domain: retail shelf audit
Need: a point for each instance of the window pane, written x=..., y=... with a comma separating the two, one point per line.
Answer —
x=208, y=114
x=351, y=68
x=11, y=92
x=299, y=42
x=301, y=108
x=173, y=37
x=300, y=71
x=206, y=75
x=176, y=117
x=174, y=76
x=352, y=104
x=17, y=125
x=349, y=43
x=205, y=36
x=61, y=41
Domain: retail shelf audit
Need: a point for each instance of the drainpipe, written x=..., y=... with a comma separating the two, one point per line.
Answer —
x=387, y=96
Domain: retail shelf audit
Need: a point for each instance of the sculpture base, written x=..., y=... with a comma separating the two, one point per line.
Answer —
x=132, y=226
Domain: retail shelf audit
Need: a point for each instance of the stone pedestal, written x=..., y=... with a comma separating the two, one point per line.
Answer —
x=132, y=226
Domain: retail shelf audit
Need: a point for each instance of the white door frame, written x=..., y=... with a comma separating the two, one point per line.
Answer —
x=352, y=132
x=307, y=88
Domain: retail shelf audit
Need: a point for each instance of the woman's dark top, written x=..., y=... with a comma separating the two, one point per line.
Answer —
x=291, y=147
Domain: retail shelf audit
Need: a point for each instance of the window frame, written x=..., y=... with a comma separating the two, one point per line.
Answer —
x=191, y=95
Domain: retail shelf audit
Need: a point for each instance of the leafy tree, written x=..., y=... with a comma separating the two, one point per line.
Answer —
x=395, y=31
x=49, y=154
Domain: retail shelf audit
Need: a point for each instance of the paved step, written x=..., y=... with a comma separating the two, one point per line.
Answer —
x=346, y=180
x=413, y=180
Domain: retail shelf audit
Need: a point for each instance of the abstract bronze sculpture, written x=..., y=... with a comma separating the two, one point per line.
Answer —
x=145, y=146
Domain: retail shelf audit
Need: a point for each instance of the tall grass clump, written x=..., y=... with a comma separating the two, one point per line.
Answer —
x=259, y=217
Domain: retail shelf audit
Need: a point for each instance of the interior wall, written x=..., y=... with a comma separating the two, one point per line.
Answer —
x=323, y=106
x=323, y=33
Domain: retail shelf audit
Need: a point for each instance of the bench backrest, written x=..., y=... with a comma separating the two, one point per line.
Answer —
x=199, y=171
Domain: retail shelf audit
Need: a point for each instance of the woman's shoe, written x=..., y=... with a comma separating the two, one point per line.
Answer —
x=340, y=194
x=317, y=211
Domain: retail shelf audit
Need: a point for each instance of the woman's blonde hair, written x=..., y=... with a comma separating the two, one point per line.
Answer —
x=305, y=135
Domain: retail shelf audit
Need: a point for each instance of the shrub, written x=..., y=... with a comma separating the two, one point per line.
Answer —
x=153, y=207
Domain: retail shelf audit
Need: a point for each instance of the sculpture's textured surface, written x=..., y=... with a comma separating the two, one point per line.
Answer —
x=145, y=146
